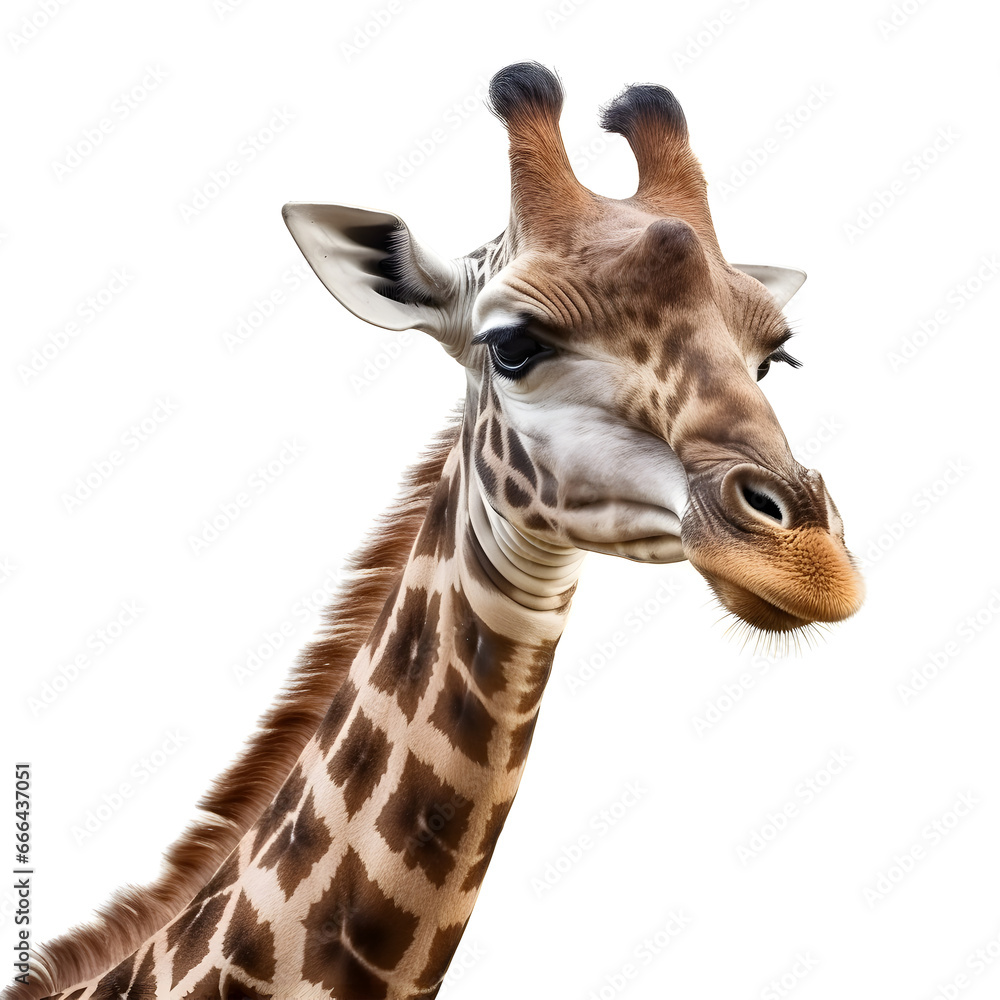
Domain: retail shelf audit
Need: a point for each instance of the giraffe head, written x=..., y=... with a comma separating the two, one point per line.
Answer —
x=613, y=357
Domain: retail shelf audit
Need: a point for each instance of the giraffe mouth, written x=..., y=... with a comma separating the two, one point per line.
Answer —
x=827, y=588
x=652, y=549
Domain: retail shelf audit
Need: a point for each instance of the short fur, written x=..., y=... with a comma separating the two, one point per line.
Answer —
x=638, y=105
x=527, y=88
x=671, y=181
x=240, y=794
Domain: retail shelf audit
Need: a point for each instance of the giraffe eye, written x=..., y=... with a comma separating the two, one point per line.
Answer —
x=514, y=352
x=779, y=355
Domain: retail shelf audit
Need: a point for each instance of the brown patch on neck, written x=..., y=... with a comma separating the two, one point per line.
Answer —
x=243, y=791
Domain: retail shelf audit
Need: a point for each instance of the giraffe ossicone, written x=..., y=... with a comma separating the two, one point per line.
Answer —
x=612, y=359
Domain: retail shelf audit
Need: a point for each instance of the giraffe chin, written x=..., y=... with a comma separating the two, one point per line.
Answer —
x=754, y=609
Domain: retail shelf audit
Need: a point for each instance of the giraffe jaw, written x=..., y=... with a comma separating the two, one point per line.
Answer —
x=640, y=532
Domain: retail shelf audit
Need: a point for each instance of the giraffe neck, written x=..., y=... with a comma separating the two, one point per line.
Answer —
x=359, y=878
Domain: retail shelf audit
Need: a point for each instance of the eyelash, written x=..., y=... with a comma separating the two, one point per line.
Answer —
x=780, y=355
x=785, y=358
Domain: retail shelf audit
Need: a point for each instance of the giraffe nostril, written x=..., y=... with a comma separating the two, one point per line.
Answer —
x=762, y=502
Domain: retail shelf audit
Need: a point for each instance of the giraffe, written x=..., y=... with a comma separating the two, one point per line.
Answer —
x=612, y=357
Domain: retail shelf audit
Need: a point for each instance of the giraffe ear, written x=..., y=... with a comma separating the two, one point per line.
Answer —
x=781, y=282
x=371, y=264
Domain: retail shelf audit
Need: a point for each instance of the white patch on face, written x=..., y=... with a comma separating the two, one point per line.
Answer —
x=621, y=490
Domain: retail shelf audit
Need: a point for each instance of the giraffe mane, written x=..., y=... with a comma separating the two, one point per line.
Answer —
x=240, y=793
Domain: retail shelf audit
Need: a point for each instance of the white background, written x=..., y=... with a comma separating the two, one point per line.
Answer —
x=784, y=190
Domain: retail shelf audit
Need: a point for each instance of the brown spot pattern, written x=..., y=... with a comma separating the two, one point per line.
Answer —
x=337, y=713
x=485, y=652
x=550, y=488
x=639, y=350
x=437, y=536
x=463, y=718
x=520, y=743
x=287, y=799
x=354, y=918
x=360, y=761
x=192, y=933
x=207, y=988
x=378, y=629
x=116, y=983
x=538, y=675
x=249, y=941
x=519, y=458
x=515, y=496
x=496, y=438
x=411, y=651
x=425, y=820
x=144, y=984
x=439, y=958
x=494, y=825
x=486, y=475
x=298, y=847
x=233, y=989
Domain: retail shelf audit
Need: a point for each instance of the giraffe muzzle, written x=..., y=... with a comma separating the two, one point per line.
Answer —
x=771, y=547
